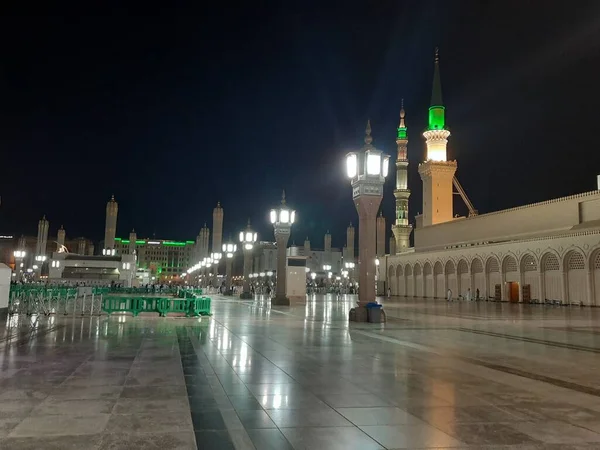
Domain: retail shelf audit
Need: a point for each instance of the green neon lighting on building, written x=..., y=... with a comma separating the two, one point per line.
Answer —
x=190, y=242
x=117, y=239
x=402, y=133
x=140, y=242
x=124, y=241
x=437, y=119
x=174, y=244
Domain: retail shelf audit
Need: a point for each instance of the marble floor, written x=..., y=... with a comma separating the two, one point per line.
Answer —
x=437, y=375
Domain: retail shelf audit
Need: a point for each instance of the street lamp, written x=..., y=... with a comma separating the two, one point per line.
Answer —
x=247, y=240
x=19, y=257
x=216, y=258
x=229, y=250
x=366, y=169
x=282, y=219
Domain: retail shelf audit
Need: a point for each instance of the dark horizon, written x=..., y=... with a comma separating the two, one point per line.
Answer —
x=172, y=114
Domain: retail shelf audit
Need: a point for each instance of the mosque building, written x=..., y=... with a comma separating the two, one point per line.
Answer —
x=532, y=253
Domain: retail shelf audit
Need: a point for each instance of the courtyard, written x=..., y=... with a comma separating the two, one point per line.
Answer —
x=437, y=375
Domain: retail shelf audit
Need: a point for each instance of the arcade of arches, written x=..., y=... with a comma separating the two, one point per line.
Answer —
x=570, y=274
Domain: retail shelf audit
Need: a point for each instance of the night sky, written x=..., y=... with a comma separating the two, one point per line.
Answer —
x=172, y=110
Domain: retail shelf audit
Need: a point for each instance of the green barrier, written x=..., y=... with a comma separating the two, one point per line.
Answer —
x=191, y=307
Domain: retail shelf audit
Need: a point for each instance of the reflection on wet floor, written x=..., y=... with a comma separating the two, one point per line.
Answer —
x=437, y=375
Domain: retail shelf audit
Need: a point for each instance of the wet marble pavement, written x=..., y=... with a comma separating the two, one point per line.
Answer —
x=437, y=375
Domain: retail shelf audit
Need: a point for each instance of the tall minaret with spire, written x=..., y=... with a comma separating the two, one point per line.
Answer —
x=42, y=237
x=437, y=172
x=217, y=239
x=401, y=228
x=349, y=244
x=60, y=238
x=110, y=228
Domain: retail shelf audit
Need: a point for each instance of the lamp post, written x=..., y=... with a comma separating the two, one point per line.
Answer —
x=327, y=269
x=40, y=260
x=367, y=169
x=282, y=219
x=216, y=257
x=229, y=250
x=247, y=240
x=19, y=257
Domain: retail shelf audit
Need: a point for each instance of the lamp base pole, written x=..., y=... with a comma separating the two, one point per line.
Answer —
x=280, y=301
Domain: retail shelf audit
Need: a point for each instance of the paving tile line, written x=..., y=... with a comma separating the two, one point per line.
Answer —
x=561, y=384
x=239, y=436
x=324, y=401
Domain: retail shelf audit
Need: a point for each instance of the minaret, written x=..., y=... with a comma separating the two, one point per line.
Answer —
x=350, y=242
x=81, y=246
x=380, y=234
x=392, y=245
x=217, y=239
x=401, y=228
x=132, y=239
x=437, y=172
x=110, y=229
x=202, y=242
x=90, y=250
x=306, y=246
x=42, y=237
x=60, y=238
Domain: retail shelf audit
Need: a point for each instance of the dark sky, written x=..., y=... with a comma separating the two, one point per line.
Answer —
x=172, y=110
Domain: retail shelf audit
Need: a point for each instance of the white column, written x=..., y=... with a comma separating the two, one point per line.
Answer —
x=590, y=288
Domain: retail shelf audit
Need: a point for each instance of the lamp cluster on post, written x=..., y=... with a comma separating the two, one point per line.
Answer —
x=282, y=219
x=229, y=250
x=367, y=170
x=247, y=240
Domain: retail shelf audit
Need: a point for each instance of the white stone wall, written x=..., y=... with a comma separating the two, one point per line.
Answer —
x=564, y=267
x=557, y=215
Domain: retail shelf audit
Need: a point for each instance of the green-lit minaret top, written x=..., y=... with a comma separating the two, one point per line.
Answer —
x=436, y=110
x=402, y=127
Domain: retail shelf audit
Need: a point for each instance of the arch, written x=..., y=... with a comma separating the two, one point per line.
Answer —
x=439, y=280
x=429, y=284
x=551, y=283
x=400, y=280
x=478, y=278
x=576, y=277
x=493, y=278
x=594, y=265
x=391, y=279
x=463, y=278
x=509, y=264
x=409, y=281
x=450, y=272
x=530, y=276
x=418, y=286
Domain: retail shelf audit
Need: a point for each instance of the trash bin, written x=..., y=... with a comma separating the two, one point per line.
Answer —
x=374, y=312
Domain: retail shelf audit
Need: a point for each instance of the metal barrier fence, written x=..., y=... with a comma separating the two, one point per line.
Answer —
x=95, y=301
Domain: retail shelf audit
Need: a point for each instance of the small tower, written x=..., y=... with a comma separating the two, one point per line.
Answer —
x=392, y=245
x=42, y=237
x=60, y=238
x=81, y=246
x=110, y=228
x=401, y=228
x=350, y=243
x=132, y=242
x=306, y=247
x=327, y=248
x=437, y=172
x=90, y=250
x=202, y=243
x=380, y=235
x=217, y=228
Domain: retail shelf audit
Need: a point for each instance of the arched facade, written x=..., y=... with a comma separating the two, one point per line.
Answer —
x=418, y=287
x=575, y=277
x=439, y=280
x=429, y=287
x=409, y=280
x=478, y=277
x=551, y=277
x=392, y=280
x=401, y=285
x=463, y=277
x=530, y=275
x=569, y=273
x=450, y=272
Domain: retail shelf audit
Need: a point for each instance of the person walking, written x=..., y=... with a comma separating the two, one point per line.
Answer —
x=469, y=295
x=477, y=295
x=449, y=295
x=389, y=292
